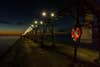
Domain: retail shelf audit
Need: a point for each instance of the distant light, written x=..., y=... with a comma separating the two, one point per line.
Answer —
x=52, y=14
x=32, y=26
x=44, y=14
x=27, y=30
x=36, y=22
x=41, y=22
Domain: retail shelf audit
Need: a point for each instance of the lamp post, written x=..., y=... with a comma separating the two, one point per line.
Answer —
x=32, y=26
x=44, y=14
x=35, y=27
x=76, y=33
x=37, y=24
x=40, y=30
x=52, y=28
x=41, y=22
x=50, y=16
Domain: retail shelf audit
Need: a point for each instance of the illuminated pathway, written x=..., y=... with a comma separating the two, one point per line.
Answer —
x=28, y=54
x=25, y=53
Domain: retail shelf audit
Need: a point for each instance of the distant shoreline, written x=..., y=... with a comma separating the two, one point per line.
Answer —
x=10, y=35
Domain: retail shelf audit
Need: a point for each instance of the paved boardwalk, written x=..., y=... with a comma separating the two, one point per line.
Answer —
x=26, y=53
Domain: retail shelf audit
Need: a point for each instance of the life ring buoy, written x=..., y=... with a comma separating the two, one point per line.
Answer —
x=76, y=33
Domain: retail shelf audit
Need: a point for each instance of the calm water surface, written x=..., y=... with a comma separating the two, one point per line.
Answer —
x=6, y=42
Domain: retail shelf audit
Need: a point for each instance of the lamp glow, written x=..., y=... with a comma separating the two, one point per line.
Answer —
x=41, y=22
x=36, y=22
x=44, y=14
x=52, y=14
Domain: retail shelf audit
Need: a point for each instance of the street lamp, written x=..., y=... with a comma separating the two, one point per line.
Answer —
x=44, y=14
x=35, y=22
x=41, y=22
x=32, y=26
x=35, y=25
x=52, y=14
x=52, y=28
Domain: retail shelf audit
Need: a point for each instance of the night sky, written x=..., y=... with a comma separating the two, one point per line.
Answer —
x=16, y=15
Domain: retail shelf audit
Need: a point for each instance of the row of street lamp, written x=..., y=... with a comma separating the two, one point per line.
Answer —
x=45, y=17
x=44, y=14
x=37, y=23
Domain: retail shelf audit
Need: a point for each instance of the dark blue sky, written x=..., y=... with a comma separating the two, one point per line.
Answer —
x=24, y=10
x=21, y=12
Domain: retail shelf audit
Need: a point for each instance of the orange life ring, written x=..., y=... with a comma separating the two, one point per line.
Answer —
x=75, y=33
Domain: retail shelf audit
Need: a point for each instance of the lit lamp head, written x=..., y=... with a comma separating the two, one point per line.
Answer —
x=52, y=14
x=32, y=26
x=44, y=14
x=35, y=22
x=41, y=22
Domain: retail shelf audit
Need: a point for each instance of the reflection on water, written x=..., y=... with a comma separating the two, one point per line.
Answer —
x=6, y=42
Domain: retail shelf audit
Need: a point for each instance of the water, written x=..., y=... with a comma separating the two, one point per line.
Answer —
x=6, y=42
